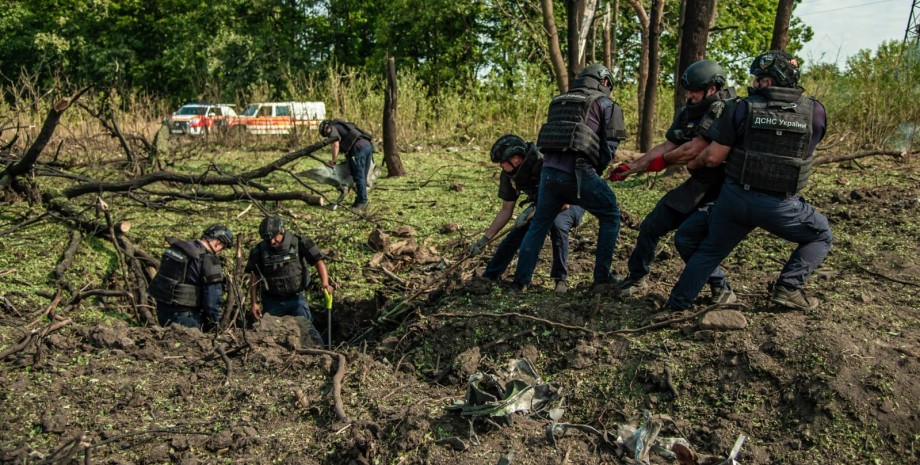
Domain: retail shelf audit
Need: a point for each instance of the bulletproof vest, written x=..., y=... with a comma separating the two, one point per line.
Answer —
x=283, y=271
x=170, y=285
x=351, y=134
x=777, y=132
x=695, y=120
x=566, y=130
x=526, y=178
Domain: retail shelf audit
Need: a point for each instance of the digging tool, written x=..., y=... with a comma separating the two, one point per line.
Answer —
x=327, y=296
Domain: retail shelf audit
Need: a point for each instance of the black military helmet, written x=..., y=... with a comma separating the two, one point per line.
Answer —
x=506, y=147
x=702, y=75
x=219, y=232
x=270, y=227
x=599, y=72
x=781, y=66
x=325, y=127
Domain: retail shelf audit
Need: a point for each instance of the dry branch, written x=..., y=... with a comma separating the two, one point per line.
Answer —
x=854, y=156
x=67, y=261
x=199, y=179
x=336, y=379
x=34, y=338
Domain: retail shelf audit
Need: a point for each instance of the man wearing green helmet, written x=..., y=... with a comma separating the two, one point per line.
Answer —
x=189, y=283
x=579, y=139
x=685, y=207
x=767, y=145
x=521, y=163
x=278, y=268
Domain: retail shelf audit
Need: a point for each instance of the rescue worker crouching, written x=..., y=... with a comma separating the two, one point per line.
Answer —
x=767, y=144
x=521, y=164
x=189, y=283
x=278, y=268
x=685, y=208
x=358, y=148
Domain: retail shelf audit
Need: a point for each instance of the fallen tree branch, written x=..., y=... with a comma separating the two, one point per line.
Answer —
x=666, y=323
x=854, y=156
x=880, y=275
x=514, y=314
x=67, y=261
x=336, y=379
x=34, y=337
x=187, y=178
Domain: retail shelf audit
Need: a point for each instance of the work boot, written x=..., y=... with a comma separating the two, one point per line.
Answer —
x=631, y=287
x=359, y=206
x=516, y=287
x=561, y=286
x=723, y=295
x=793, y=298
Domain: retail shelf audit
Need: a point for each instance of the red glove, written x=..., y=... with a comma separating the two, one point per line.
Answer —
x=656, y=164
x=616, y=174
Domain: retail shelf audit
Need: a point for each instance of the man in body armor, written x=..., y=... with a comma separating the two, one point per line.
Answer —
x=583, y=129
x=767, y=144
x=358, y=148
x=687, y=206
x=189, y=283
x=278, y=268
x=521, y=164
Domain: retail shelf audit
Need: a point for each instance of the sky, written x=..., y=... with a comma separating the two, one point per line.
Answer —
x=843, y=27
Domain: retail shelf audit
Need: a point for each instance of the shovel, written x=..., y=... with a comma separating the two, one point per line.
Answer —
x=328, y=298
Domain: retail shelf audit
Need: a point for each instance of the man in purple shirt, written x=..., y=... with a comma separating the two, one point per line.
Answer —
x=767, y=144
x=583, y=129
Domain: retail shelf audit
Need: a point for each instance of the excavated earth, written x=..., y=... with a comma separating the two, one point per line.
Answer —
x=839, y=384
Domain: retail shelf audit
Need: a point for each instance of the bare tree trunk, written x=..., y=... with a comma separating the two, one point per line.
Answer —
x=696, y=18
x=643, y=57
x=781, y=25
x=614, y=22
x=608, y=41
x=651, y=89
x=390, y=150
x=555, y=52
x=580, y=17
x=25, y=164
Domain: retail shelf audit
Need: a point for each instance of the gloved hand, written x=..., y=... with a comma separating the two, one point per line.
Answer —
x=525, y=216
x=657, y=164
x=477, y=246
x=617, y=173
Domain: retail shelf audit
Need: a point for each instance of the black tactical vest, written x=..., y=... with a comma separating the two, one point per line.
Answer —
x=170, y=285
x=776, y=137
x=695, y=120
x=566, y=130
x=526, y=178
x=351, y=135
x=283, y=270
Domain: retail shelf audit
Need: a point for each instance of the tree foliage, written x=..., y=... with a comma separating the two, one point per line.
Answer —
x=236, y=49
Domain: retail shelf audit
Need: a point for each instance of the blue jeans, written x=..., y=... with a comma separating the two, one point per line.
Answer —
x=735, y=214
x=295, y=306
x=564, y=222
x=171, y=314
x=558, y=188
x=360, y=164
x=660, y=221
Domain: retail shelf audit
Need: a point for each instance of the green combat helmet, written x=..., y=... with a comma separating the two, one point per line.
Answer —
x=270, y=227
x=506, y=147
x=599, y=72
x=781, y=66
x=702, y=75
x=219, y=232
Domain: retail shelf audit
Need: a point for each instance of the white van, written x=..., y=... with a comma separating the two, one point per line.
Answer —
x=279, y=117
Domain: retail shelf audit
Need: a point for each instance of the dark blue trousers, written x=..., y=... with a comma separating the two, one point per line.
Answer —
x=360, y=164
x=735, y=214
x=558, y=188
x=659, y=222
x=559, y=235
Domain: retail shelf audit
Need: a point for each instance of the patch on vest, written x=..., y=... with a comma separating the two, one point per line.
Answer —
x=780, y=122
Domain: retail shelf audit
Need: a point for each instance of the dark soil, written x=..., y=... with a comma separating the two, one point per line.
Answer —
x=840, y=384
